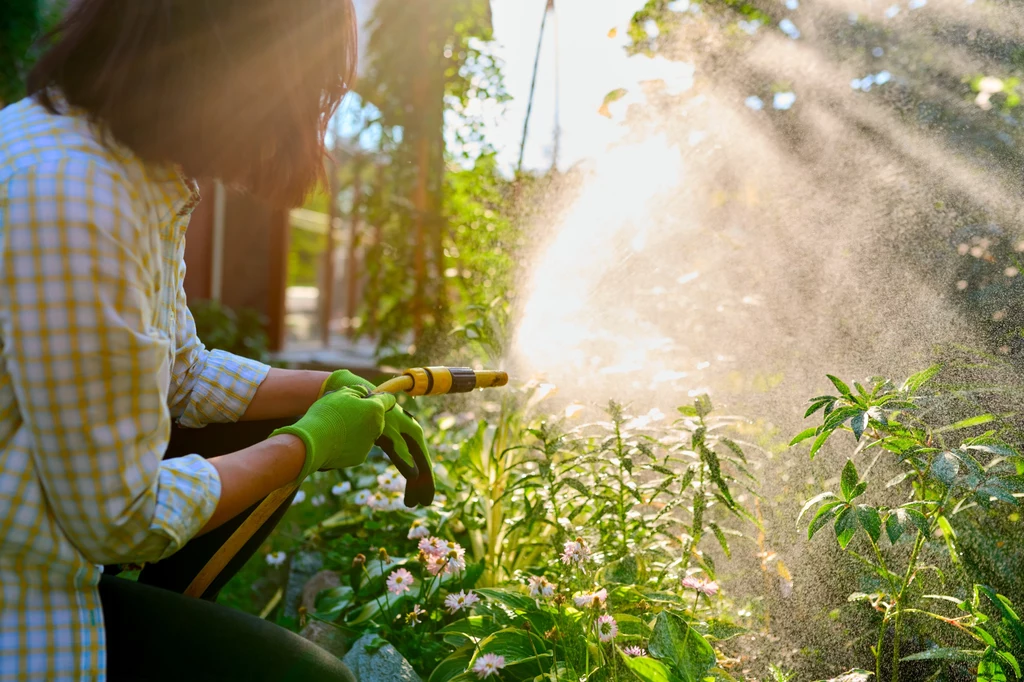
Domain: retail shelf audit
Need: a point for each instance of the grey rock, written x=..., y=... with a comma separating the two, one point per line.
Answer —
x=326, y=636
x=324, y=580
x=385, y=665
x=304, y=565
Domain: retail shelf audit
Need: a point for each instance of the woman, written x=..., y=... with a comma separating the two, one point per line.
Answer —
x=99, y=351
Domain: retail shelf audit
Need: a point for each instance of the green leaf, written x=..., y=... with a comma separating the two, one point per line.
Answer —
x=916, y=381
x=625, y=571
x=967, y=423
x=515, y=600
x=870, y=521
x=721, y=630
x=648, y=669
x=828, y=494
x=896, y=524
x=476, y=627
x=845, y=527
x=849, y=479
x=675, y=641
x=720, y=536
x=330, y=603
x=514, y=644
x=1009, y=658
x=858, y=424
x=703, y=405
x=946, y=654
x=577, y=485
x=837, y=418
x=710, y=457
x=817, y=405
x=897, y=479
x=945, y=467
x=453, y=666
x=919, y=520
x=818, y=442
x=840, y=386
x=1010, y=617
x=687, y=411
x=734, y=447
x=632, y=626
x=990, y=669
x=950, y=536
x=823, y=516
x=804, y=435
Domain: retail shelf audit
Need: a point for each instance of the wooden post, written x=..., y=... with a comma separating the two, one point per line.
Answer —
x=280, y=236
x=327, y=281
x=353, y=241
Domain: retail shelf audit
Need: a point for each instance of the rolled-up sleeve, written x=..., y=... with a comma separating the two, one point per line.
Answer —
x=90, y=372
x=208, y=387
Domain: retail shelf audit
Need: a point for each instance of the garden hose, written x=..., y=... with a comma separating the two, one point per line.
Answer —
x=416, y=382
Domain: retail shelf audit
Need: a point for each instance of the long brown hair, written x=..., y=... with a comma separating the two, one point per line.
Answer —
x=240, y=90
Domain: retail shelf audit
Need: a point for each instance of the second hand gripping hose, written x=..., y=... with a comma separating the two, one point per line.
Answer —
x=416, y=382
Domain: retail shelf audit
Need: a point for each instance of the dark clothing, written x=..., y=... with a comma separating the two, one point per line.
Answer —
x=156, y=634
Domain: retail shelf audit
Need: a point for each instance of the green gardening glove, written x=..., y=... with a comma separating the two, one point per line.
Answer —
x=340, y=428
x=402, y=440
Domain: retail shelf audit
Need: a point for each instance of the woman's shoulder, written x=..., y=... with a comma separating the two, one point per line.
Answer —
x=34, y=138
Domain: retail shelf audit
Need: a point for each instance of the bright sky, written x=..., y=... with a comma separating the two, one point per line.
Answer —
x=591, y=65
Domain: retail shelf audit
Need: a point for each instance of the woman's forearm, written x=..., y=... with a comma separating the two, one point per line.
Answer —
x=249, y=475
x=285, y=393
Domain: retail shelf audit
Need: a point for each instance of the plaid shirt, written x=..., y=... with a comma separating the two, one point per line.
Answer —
x=98, y=353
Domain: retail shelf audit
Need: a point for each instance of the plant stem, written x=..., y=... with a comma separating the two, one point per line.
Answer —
x=893, y=589
x=897, y=624
x=881, y=643
x=622, y=502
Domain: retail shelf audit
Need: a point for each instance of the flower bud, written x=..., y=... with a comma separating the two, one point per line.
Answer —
x=359, y=561
x=383, y=554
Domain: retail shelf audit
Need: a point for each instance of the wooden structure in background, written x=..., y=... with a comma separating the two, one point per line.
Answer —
x=236, y=252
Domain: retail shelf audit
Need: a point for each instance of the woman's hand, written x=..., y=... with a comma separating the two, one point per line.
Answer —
x=402, y=439
x=339, y=429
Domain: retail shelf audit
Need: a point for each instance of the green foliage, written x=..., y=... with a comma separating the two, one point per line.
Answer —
x=942, y=473
x=442, y=240
x=241, y=332
x=579, y=543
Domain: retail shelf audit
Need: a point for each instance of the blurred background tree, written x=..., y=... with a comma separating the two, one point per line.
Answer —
x=21, y=22
x=442, y=238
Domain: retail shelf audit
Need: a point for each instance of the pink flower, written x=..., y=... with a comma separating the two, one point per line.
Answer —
x=708, y=588
x=432, y=546
x=460, y=600
x=575, y=552
x=400, y=581
x=454, y=549
x=607, y=628
x=593, y=600
x=418, y=530
x=541, y=587
x=634, y=651
x=436, y=564
x=453, y=563
x=487, y=665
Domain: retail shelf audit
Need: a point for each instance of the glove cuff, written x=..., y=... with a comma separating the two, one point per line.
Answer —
x=307, y=440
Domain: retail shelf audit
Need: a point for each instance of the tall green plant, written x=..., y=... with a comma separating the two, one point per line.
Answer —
x=940, y=474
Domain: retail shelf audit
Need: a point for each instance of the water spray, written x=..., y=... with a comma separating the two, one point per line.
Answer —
x=417, y=381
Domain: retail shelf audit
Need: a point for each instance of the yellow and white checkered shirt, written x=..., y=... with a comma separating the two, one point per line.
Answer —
x=98, y=353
